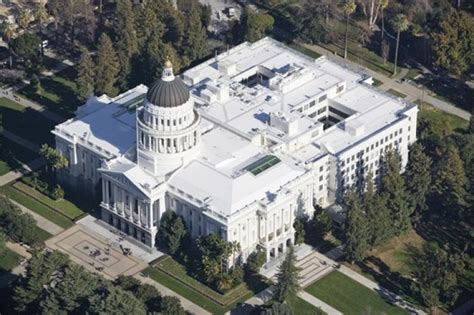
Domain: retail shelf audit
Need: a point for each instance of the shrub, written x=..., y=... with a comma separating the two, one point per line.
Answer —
x=58, y=193
x=255, y=261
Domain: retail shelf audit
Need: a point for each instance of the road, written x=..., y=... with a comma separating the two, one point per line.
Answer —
x=413, y=93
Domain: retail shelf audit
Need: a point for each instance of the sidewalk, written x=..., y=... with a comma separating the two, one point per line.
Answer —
x=187, y=304
x=318, y=303
x=21, y=171
x=42, y=222
x=413, y=93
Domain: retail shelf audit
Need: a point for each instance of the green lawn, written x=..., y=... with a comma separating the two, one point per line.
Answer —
x=8, y=260
x=300, y=306
x=350, y=297
x=195, y=291
x=396, y=93
x=377, y=82
x=25, y=122
x=442, y=122
x=41, y=234
x=36, y=206
x=13, y=155
x=63, y=206
x=57, y=93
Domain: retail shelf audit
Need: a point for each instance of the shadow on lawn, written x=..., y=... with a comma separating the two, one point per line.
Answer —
x=58, y=94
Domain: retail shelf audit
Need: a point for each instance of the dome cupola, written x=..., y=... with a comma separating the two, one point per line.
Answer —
x=168, y=91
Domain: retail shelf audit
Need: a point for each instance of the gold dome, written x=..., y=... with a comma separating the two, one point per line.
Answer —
x=168, y=63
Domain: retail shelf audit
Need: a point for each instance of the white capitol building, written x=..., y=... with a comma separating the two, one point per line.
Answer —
x=239, y=145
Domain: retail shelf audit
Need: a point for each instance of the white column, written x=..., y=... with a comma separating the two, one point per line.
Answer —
x=150, y=214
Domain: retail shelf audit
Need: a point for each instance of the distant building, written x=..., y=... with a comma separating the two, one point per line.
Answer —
x=239, y=146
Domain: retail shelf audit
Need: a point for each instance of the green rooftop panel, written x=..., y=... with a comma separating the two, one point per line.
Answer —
x=262, y=164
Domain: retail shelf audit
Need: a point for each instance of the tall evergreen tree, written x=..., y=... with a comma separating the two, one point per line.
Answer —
x=126, y=39
x=195, y=38
x=171, y=232
x=394, y=191
x=356, y=229
x=450, y=181
x=378, y=217
x=287, y=278
x=170, y=305
x=85, y=76
x=418, y=177
x=437, y=275
x=113, y=300
x=107, y=67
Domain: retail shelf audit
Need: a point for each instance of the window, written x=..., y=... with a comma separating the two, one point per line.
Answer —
x=312, y=115
x=372, y=147
x=400, y=130
x=338, y=112
x=322, y=98
x=320, y=187
x=321, y=169
x=321, y=178
x=312, y=103
x=340, y=89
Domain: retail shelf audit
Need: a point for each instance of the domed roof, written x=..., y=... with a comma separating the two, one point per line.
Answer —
x=168, y=91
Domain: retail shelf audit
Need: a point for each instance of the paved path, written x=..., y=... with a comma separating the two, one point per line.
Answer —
x=318, y=303
x=187, y=304
x=413, y=93
x=380, y=290
x=42, y=222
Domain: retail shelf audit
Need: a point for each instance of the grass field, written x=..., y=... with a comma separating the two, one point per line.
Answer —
x=41, y=234
x=8, y=260
x=350, y=297
x=13, y=155
x=57, y=93
x=173, y=275
x=25, y=122
x=304, y=50
x=442, y=123
x=377, y=82
x=63, y=206
x=36, y=206
x=300, y=306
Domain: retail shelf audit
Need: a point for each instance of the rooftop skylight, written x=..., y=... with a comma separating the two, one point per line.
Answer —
x=262, y=164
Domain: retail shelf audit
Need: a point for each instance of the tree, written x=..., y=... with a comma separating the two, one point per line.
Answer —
x=41, y=15
x=322, y=222
x=437, y=275
x=150, y=296
x=85, y=76
x=107, y=67
x=24, y=19
x=35, y=83
x=385, y=50
x=383, y=5
x=450, y=182
x=299, y=226
x=276, y=308
x=256, y=24
x=112, y=300
x=394, y=192
x=19, y=226
x=195, y=38
x=255, y=261
x=8, y=31
x=287, y=278
x=170, y=305
x=126, y=38
x=54, y=159
x=356, y=230
x=171, y=232
x=418, y=177
x=3, y=241
x=27, y=46
x=348, y=8
x=399, y=24
x=371, y=9
x=454, y=43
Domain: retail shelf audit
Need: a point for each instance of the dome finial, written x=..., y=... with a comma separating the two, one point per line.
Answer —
x=168, y=63
x=168, y=71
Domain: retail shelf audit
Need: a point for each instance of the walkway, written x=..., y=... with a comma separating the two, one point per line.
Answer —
x=318, y=303
x=187, y=304
x=42, y=222
x=413, y=93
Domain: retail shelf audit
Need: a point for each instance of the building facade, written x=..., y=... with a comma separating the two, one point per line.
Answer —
x=239, y=146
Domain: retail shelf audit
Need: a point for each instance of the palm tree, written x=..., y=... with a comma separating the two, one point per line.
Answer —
x=40, y=15
x=24, y=19
x=399, y=24
x=8, y=31
x=383, y=5
x=349, y=8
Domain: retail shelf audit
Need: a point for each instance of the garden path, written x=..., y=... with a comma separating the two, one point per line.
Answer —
x=43, y=223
